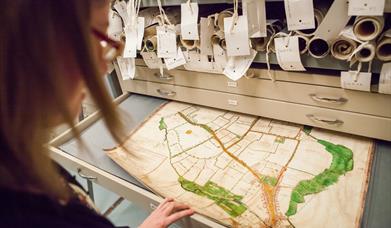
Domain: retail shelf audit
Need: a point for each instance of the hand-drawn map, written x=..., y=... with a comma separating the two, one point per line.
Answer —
x=247, y=171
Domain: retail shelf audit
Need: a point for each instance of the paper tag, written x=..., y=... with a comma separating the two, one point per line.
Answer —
x=256, y=17
x=121, y=6
x=207, y=30
x=288, y=53
x=127, y=67
x=299, y=14
x=237, y=39
x=140, y=32
x=166, y=41
x=115, y=29
x=385, y=79
x=366, y=7
x=198, y=62
x=237, y=66
x=334, y=21
x=347, y=32
x=177, y=61
x=189, y=19
x=151, y=60
x=130, y=49
x=352, y=80
x=220, y=56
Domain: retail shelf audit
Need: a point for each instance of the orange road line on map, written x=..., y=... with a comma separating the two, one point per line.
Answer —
x=269, y=190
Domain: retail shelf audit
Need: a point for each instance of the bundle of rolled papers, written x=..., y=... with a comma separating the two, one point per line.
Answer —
x=364, y=40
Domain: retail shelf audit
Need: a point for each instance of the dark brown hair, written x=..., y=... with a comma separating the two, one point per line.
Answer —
x=32, y=86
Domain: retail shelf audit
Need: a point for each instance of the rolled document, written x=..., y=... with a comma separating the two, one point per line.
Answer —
x=221, y=16
x=189, y=44
x=319, y=15
x=303, y=43
x=367, y=53
x=342, y=48
x=150, y=16
x=367, y=28
x=151, y=43
x=217, y=37
x=318, y=47
x=259, y=44
x=383, y=49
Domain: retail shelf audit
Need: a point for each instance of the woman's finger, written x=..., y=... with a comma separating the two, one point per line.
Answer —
x=165, y=201
x=178, y=215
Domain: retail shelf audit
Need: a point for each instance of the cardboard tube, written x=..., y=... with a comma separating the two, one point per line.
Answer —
x=259, y=44
x=383, y=49
x=367, y=28
x=217, y=37
x=221, y=16
x=367, y=53
x=189, y=44
x=223, y=44
x=151, y=43
x=150, y=31
x=303, y=43
x=343, y=47
x=319, y=15
x=318, y=47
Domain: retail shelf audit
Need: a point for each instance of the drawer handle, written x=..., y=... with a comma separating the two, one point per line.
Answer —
x=79, y=171
x=328, y=100
x=323, y=120
x=166, y=93
x=165, y=76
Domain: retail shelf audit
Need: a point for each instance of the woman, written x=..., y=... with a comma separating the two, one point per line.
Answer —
x=50, y=53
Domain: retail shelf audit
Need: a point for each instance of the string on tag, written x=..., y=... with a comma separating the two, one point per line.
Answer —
x=358, y=49
x=268, y=51
x=188, y=4
x=163, y=19
x=235, y=16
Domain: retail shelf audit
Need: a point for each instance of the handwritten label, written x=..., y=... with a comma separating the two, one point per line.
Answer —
x=237, y=66
x=127, y=67
x=151, y=60
x=299, y=14
x=352, y=80
x=130, y=49
x=166, y=41
x=237, y=39
x=207, y=30
x=189, y=18
x=366, y=7
x=140, y=32
x=385, y=79
x=220, y=56
x=288, y=53
x=175, y=62
x=255, y=11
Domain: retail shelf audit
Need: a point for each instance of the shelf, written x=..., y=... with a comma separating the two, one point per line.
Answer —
x=153, y=3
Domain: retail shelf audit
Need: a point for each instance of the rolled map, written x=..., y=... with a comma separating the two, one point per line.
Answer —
x=319, y=15
x=343, y=47
x=303, y=43
x=367, y=28
x=383, y=49
x=318, y=47
x=367, y=53
x=220, y=18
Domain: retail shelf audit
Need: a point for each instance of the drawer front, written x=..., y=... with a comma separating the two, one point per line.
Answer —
x=349, y=122
x=320, y=96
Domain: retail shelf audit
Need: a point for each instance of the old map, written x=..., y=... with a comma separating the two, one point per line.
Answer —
x=247, y=171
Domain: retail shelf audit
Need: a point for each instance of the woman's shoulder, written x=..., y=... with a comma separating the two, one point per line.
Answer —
x=25, y=209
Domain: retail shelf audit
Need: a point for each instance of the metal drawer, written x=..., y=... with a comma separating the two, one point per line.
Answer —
x=296, y=92
x=349, y=122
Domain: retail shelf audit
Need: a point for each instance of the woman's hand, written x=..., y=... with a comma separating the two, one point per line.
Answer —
x=166, y=213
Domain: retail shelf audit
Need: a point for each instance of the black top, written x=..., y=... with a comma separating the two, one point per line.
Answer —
x=25, y=209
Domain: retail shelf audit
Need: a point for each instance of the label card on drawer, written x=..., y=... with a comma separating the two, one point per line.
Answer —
x=166, y=41
x=299, y=14
x=130, y=49
x=177, y=61
x=366, y=7
x=352, y=80
x=127, y=67
x=288, y=53
x=385, y=79
x=189, y=18
x=151, y=60
x=237, y=40
x=207, y=30
x=237, y=66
